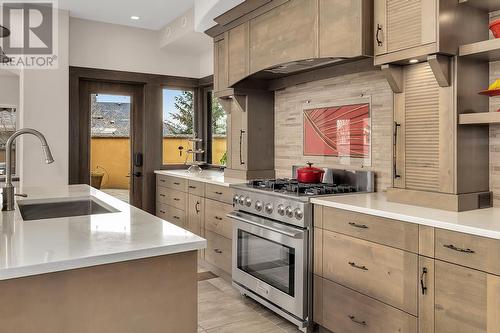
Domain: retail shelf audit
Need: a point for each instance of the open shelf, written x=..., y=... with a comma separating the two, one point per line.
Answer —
x=488, y=50
x=486, y=5
x=479, y=118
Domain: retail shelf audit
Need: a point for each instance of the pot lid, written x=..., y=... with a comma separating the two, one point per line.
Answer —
x=310, y=168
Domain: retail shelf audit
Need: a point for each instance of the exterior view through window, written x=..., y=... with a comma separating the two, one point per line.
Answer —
x=8, y=127
x=178, y=125
x=219, y=132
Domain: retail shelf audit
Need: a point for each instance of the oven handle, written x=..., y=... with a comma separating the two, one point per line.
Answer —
x=288, y=231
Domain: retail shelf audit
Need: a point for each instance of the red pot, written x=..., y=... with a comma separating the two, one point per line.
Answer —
x=310, y=174
x=495, y=28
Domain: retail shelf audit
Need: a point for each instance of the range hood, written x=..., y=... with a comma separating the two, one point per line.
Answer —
x=298, y=66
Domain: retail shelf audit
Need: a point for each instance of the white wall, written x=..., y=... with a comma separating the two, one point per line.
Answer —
x=44, y=106
x=206, y=10
x=207, y=63
x=110, y=46
x=9, y=90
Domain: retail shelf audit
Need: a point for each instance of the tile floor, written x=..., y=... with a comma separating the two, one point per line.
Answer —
x=123, y=195
x=221, y=309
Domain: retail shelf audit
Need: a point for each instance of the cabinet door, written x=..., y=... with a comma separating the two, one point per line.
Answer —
x=403, y=24
x=220, y=65
x=238, y=53
x=466, y=300
x=239, y=137
x=286, y=33
x=426, y=290
x=196, y=209
x=424, y=129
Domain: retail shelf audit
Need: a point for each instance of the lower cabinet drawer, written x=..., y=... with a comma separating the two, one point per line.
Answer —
x=346, y=311
x=174, y=183
x=177, y=199
x=218, y=251
x=385, y=273
x=171, y=214
x=216, y=219
x=219, y=193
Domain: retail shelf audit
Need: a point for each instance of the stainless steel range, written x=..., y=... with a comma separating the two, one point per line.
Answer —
x=272, y=239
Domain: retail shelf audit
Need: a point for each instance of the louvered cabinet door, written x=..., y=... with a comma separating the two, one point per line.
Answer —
x=404, y=24
x=424, y=133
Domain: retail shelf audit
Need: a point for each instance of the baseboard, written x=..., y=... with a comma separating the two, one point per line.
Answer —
x=445, y=201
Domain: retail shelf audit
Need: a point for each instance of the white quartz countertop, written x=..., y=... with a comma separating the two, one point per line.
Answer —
x=50, y=245
x=207, y=176
x=479, y=222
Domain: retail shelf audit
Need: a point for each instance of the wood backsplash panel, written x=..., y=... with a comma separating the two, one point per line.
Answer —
x=289, y=105
x=495, y=139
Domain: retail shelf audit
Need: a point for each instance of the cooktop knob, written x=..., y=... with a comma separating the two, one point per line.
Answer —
x=281, y=209
x=258, y=205
x=289, y=212
x=298, y=214
x=236, y=198
x=242, y=200
x=248, y=202
x=269, y=208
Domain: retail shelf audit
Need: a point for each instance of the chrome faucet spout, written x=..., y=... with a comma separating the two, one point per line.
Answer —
x=8, y=189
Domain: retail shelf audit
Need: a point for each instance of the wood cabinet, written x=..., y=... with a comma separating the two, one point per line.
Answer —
x=363, y=286
x=238, y=53
x=238, y=134
x=406, y=29
x=220, y=64
x=195, y=214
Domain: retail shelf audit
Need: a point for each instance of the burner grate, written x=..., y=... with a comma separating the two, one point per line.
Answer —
x=293, y=186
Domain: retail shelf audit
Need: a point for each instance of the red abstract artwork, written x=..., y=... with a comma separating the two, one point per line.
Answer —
x=338, y=131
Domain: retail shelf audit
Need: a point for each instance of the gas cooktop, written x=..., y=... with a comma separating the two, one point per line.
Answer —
x=294, y=187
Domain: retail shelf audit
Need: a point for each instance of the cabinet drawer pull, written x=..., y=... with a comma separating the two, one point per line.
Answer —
x=162, y=180
x=422, y=281
x=177, y=183
x=162, y=195
x=458, y=249
x=192, y=187
x=177, y=199
x=177, y=217
x=219, y=193
x=218, y=218
x=163, y=212
x=354, y=265
x=218, y=251
x=356, y=225
x=359, y=322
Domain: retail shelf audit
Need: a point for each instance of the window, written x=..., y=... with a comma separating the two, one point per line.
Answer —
x=8, y=127
x=218, y=131
x=178, y=125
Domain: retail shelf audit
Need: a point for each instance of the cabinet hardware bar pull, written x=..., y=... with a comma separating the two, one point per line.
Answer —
x=422, y=281
x=197, y=207
x=379, y=29
x=359, y=322
x=395, y=162
x=353, y=264
x=241, y=140
x=218, y=193
x=356, y=225
x=176, y=183
x=218, y=218
x=162, y=180
x=177, y=217
x=218, y=251
x=454, y=248
x=163, y=212
x=191, y=186
x=177, y=199
x=162, y=195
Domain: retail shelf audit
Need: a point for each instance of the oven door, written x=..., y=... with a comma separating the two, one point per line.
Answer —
x=270, y=259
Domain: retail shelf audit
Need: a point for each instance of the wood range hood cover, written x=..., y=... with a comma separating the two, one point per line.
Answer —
x=260, y=41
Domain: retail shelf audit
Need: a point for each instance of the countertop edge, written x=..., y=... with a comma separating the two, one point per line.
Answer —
x=411, y=219
x=59, y=266
x=174, y=173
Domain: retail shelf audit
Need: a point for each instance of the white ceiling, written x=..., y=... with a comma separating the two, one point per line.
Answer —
x=154, y=14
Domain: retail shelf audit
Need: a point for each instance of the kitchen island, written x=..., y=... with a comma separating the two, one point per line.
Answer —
x=120, y=270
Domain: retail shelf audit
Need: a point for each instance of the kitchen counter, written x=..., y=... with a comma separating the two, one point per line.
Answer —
x=58, y=244
x=480, y=222
x=215, y=177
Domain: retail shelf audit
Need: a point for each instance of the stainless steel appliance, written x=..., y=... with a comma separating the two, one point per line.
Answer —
x=272, y=239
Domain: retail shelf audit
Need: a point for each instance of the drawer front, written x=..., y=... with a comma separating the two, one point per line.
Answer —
x=171, y=214
x=219, y=193
x=174, y=183
x=196, y=188
x=216, y=219
x=218, y=252
x=387, y=274
x=173, y=198
x=468, y=250
x=346, y=311
x=376, y=229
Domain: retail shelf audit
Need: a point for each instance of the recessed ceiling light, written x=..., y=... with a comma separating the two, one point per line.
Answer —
x=413, y=61
x=135, y=18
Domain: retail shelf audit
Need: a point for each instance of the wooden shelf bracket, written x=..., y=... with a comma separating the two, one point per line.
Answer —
x=394, y=75
x=441, y=67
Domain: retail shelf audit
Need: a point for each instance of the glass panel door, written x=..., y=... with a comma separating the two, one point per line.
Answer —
x=268, y=261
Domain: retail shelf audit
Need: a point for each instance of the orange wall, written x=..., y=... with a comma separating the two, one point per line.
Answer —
x=112, y=156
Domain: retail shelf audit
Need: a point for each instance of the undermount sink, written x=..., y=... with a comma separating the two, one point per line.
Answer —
x=65, y=207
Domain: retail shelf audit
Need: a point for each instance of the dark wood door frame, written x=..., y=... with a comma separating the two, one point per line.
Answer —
x=152, y=124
